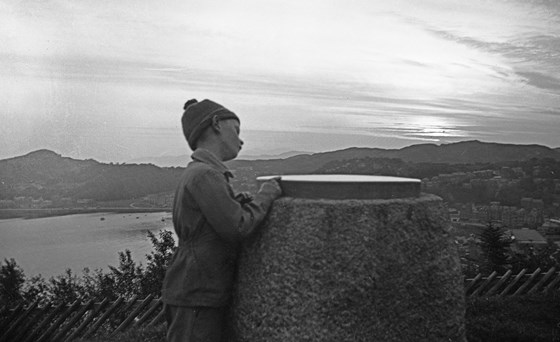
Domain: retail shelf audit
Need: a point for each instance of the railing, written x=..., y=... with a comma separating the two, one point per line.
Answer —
x=65, y=322
x=508, y=284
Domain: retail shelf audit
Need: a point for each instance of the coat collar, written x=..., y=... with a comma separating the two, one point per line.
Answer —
x=207, y=157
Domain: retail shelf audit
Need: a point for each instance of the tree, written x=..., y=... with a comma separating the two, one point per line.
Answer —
x=65, y=288
x=127, y=280
x=495, y=247
x=532, y=258
x=11, y=282
x=127, y=275
x=158, y=261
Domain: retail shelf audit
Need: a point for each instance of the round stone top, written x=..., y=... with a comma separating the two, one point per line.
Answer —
x=346, y=186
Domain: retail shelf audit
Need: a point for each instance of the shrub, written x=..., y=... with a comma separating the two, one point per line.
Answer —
x=65, y=288
x=158, y=260
x=99, y=285
x=37, y=288
x=127, y=279
x=11, y=282
x=127, y=276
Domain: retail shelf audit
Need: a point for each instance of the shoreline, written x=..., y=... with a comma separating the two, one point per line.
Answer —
x=49, y=212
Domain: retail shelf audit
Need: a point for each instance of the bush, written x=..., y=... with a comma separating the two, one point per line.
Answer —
x=127, y=280
x=157, y=263
x=11, y=281
x=127, y=276
x=65, y=288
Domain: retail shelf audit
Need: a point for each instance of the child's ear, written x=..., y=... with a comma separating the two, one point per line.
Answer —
x=216, y=124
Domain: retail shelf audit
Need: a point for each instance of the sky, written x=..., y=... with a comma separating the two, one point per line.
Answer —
x=108, y=79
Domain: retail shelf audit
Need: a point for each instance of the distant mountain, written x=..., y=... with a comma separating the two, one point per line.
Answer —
x=273, y=156
x=163, y=161
x=466, y=152
x=474, y=151
x=48, y=175
x=183, y=160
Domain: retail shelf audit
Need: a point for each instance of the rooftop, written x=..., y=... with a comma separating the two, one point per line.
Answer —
x=527, y=235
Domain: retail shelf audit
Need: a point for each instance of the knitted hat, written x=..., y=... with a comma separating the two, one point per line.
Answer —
x=198, y=116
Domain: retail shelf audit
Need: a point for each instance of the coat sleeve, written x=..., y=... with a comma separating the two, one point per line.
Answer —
x=230, y=219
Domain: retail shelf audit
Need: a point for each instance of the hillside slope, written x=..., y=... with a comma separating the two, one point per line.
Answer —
x=48, y=175
x=467, y=152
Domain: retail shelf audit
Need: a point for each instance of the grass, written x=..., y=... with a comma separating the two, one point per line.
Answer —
x=511, y=319
x=523, y=319
x=152, y=334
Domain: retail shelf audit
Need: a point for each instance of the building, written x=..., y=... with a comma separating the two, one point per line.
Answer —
x=551, y=229
x=454, y=215
x=525, y=239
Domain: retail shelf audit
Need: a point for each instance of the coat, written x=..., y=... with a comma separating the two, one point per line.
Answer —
x=210, y=222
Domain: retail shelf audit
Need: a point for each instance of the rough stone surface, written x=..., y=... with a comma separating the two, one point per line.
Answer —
x=349, y=270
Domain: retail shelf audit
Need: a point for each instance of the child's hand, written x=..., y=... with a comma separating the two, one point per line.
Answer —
x=272, y=186
x=244, y=197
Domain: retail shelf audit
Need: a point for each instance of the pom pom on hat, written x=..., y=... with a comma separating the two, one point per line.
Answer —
x=198, y=116
x=189, y=102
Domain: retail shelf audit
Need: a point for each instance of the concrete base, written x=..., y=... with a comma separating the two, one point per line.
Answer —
x=351, y=270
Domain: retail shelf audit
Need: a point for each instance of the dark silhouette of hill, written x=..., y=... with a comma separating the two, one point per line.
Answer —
x=48, y=175
x=182, y=160
x=467, y=152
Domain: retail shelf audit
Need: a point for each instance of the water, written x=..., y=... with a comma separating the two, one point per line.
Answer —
x=51, y=245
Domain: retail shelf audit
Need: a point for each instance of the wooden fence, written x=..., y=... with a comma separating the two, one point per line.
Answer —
x=509, y=284
x=66, y=322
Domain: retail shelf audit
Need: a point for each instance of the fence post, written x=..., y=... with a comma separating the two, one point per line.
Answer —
x=28, y=325
x=128, y=306
x=148, y=312
x=59, y=321
x=3, y=310
x=73, y=321
x=552, y=284
x=158, y=318
x=499, y=283
x=471, y=284
x=514, y=281
x=103, y=317
x=531, y=278
x=133, y=314
x=15, y=325
x=88, y=320
x=542, y=281
x=11, y=317
x=45, y=322
x=484, y=284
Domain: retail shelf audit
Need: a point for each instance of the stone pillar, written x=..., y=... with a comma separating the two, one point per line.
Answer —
x=351, y=270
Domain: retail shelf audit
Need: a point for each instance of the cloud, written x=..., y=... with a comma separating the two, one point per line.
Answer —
x=87, y=73
x=540, y=80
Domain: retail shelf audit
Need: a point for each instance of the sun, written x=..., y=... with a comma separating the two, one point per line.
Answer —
x=431, y=126
x=428, y=122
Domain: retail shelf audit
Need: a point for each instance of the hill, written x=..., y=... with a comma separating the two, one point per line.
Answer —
x=48, y=175
x=182, y=160
x=467, y=152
